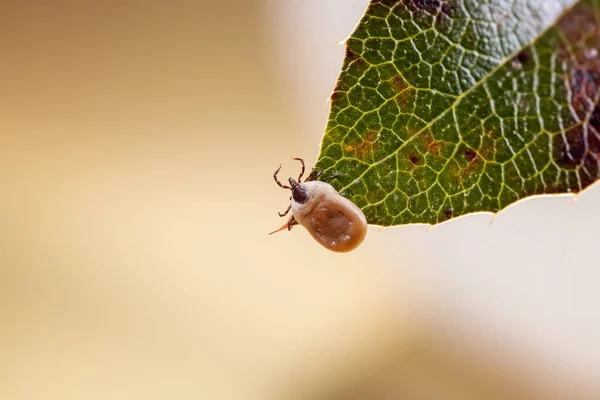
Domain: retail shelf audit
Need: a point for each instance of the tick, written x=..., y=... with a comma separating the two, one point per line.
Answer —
x=331, y=219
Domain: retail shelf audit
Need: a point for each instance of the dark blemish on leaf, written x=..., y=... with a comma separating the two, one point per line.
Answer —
x=351, y=55
x=585, y=84
x=576, y=150
x=579, y=148
x=447, y=214
x=336, y=95
x=470, y=154
x=431, y=6
x=595, y=119
x=448, y=7
x=473, y=159
x=470, y=167
x=414, y=159
x=570, y=148
x=446, y=11
x=520, y=60
x=523, y=56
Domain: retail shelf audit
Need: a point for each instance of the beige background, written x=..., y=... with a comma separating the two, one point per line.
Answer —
x=137, y=143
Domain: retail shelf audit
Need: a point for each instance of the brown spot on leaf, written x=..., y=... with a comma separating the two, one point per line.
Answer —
x=470, y=154
x=571, y=148
x=433, y=146
x=336, y=95
x=520, y=60
x=447, y=214
x=473, y=162
x=578, y=23
x=582, y=32
x=523, y=56
x=365, y=148
x=446, y=11
x=579, y=148
x=414, y=159
x=371, y=136
x=398, y=83
x=405, y=99
x=448, y=7
x=351, y=55
x=584, y=83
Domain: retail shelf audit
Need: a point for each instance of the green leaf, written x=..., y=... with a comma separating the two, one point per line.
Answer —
x=449, y=107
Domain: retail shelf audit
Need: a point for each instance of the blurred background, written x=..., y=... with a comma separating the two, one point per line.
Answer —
x=137, y=143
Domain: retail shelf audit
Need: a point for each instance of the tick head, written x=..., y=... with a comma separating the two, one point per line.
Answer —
x=299, y=191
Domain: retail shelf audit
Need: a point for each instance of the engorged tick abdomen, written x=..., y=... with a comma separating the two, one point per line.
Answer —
x=332, y=220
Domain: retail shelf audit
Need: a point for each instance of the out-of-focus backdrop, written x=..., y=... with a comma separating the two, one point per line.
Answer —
x=137, y=143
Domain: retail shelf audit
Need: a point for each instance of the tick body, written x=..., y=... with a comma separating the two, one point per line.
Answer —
x=331, y=219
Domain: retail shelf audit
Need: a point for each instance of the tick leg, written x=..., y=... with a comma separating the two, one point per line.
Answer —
x=291, y=223
x=277, y=180
x=285, y=212
x=303, y=167
x=314, y=175
x=333, y=176
x=288, y=225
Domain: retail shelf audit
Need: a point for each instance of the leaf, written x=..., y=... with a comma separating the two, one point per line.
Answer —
x=449, y=107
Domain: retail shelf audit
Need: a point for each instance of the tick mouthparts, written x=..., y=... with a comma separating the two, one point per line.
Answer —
x=292, y=182
x=299, y=192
